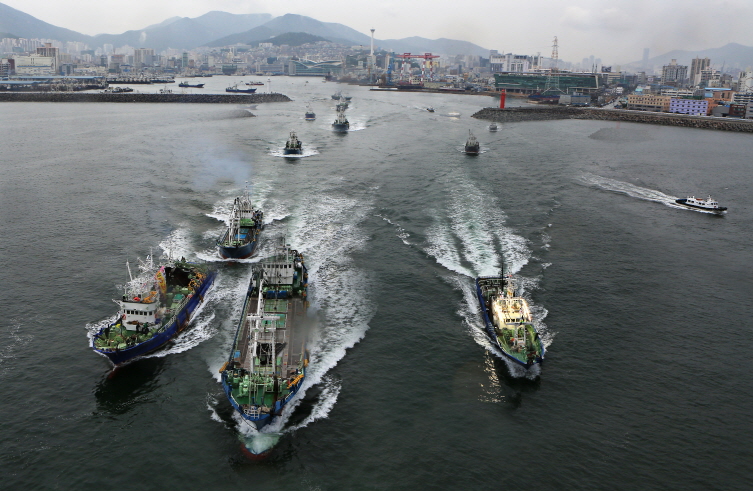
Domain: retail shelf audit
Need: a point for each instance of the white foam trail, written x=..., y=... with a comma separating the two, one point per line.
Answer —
x=476, y=222
x=634, y=191
x=401, y=232
x=178, y=243
x=14, y=343
x=307, y=152
x=327, y=400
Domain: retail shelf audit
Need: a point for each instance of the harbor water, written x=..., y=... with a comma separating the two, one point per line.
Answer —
x=644, y=306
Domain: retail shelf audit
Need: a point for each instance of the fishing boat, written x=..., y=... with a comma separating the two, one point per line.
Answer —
x=493, y=126
x=293, y=146
x=156, y=305
x=186, y=84
x=341, y=123
x=236, y=89
x=472, y=146
x=254, y=82
x=243, y=228
x=342, y=105
x=268, y=360
x=337, y=96
x=508, y=320
x=310, y=115
x=708, y=204
x=348, y=97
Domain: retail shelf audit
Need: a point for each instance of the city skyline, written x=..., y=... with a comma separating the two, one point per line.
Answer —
x=617, y=32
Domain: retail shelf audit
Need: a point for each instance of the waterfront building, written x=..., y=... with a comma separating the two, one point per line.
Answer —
x=674, y=74
x=34, y=65
x=499, y=63
x=742, y=97
x=689, y=106
x=656, y=103
x=696, y=66
x=678, y=93
x=531, y=83
x=6, y=67
x=143, y=57
x=745, y=81
x=316, y=69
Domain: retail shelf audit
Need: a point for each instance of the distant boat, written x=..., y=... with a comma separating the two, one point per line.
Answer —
x=293, y=146
x=254, y=83
x=493, y=126
x=235, y=88
x=430, y=109
x=342, y=105
x=472, y=146
x=347, y=97
x=310, y=116
x=186, y=84
x=708, y=204
x=336, y=96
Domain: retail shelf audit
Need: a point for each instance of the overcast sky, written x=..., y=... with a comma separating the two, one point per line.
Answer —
x=614, y=30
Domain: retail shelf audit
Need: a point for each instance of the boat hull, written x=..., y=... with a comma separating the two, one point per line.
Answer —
x=178, y=323
x=240, y=252
x=489, y=329
x=341, y=127
x=292, y=151
x=472, y=150
x=683, y=202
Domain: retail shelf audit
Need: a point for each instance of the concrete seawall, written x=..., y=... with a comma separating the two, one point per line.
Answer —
x=540, y=113
x=134, y=97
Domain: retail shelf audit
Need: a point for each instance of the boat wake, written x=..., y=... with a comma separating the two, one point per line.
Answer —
x=469, y=239
x=465, y=238
x=14, y=340
x=307, y=152
x=634, y=191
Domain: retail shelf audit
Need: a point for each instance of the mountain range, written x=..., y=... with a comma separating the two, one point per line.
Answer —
x=731, y=55
x=217, y=28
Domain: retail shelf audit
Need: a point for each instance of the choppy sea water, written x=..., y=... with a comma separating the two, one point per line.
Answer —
x=644, y=306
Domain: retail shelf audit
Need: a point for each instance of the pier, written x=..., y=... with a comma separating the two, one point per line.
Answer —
x=141, y=98
x=547, y=113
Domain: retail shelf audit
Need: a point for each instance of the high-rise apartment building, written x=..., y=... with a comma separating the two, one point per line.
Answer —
x=696, y=66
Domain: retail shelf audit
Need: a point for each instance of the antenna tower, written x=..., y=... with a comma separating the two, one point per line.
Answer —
x=553, y=77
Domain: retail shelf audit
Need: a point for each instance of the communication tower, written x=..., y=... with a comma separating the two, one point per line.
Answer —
x=553, y=77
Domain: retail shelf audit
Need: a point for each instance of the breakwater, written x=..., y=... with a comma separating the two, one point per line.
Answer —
x=137, y=98
x=540, y=113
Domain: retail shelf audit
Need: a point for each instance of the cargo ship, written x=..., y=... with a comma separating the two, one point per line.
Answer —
x=508, y=321
x=243, y=228
x=156, y=306
x=268, y=360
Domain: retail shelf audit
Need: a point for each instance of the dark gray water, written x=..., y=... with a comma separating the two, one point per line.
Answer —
x=645, y=307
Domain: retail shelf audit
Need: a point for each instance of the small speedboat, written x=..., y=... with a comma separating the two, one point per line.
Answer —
x=708, y=204
x=493, y=127
x=430, y=109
